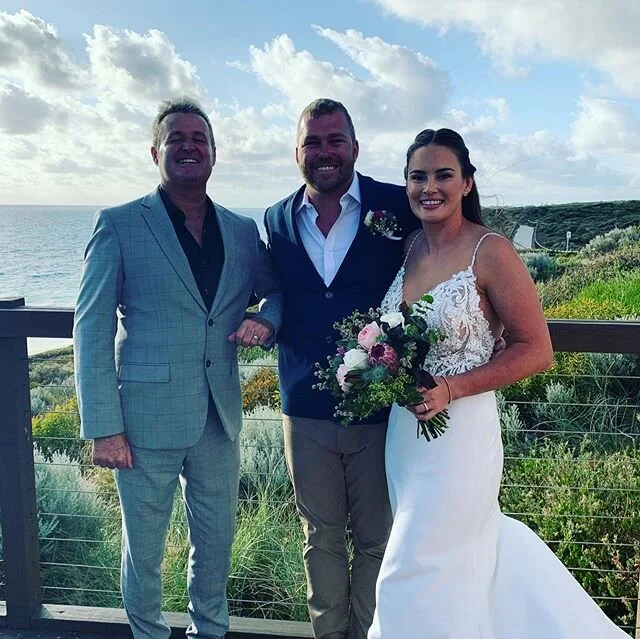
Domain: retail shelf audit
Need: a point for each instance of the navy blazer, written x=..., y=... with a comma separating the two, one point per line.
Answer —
x=311, y=308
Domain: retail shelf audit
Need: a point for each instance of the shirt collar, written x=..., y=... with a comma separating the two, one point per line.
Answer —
x=353, y=192
x=176, y=216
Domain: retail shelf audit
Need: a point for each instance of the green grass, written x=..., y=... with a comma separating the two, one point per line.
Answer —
x=624, y=290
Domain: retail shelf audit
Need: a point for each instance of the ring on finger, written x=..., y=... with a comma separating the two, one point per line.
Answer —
x=426, y=407
x=256, y=337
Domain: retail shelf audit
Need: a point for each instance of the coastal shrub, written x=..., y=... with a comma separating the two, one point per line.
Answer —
x=43, y=398
x=589, y=270
x=587, y=308
x=255, y=354
x=57, y=432
x=594, y=393
x=262, y=461
x=624, y=289
x=261, y=390
x=267, y=575
x=53, y=367
x=584, y=504
x=612, y=240
x=617, y=374
x=79, y=559
x=515, y=438
x=541, y=265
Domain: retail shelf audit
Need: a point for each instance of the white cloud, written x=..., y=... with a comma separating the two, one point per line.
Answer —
x=31, y=50
x=22, y=113
x=401, y=88
x=139, y=69
x=512, y=32
x=605, y=127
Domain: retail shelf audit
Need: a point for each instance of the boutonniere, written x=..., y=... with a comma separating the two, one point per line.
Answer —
x=382, y=223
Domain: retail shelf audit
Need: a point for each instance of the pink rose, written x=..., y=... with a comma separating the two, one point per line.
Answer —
x=368, y=336
x=341, y=375
x=383, y=355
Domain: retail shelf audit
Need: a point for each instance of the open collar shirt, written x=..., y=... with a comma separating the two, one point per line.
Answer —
x=328, y=253
x=206, y=261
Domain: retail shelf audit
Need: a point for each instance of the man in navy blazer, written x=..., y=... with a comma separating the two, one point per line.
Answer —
x=330, y=263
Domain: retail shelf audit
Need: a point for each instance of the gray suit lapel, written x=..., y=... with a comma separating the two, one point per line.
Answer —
x=162, y=230
x=230, y=241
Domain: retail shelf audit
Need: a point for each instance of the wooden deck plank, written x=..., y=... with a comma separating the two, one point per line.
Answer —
x=113, y=621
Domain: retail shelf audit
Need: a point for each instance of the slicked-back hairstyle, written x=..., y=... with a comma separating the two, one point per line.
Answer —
x=178, y=104
x=453, y=141
x=326, y=106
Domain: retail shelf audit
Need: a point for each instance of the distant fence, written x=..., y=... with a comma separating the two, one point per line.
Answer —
x=571, y=472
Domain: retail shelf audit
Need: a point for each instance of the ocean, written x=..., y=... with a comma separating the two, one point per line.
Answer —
x=41, y=249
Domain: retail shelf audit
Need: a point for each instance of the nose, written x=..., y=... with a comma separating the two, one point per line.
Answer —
x=429, y=184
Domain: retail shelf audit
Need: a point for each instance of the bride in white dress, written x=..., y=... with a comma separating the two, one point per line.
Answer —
x=455, y=567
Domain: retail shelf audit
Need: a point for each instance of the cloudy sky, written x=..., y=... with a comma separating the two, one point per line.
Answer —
x=545, y=93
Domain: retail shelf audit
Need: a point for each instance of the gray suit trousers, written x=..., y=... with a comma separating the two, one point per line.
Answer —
x=208, y=473
x=339, y=477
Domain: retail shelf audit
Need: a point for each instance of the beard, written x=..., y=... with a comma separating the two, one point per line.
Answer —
x=337, y=181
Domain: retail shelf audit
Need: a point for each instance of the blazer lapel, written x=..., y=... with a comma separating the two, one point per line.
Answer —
x=294, y=234
x=230, y=241
x=162, y=230
x=365, y=206
x=290, y=216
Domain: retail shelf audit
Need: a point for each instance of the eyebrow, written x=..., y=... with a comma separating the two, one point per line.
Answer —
x=442, y=170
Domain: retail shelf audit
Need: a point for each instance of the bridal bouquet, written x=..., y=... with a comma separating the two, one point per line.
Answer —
x=379, y=361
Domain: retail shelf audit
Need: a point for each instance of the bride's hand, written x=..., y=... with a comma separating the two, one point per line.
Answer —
x=434, y=400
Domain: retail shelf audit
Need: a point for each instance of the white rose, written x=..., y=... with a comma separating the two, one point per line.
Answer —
x=356, y=359
x=393, y=319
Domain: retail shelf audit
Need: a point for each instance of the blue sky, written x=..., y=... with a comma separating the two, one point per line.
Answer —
x=545, y=94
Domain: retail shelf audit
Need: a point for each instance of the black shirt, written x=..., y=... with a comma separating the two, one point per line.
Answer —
x=206, y=261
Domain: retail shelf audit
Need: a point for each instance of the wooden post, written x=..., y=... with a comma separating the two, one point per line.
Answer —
x=18, y=509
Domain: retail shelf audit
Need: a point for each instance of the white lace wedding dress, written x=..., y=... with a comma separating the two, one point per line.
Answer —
x=456, y=567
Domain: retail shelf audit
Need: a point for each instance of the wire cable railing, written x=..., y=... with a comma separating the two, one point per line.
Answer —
x=572, y=473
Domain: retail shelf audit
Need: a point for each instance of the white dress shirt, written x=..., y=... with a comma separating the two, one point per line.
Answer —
x=328, y=253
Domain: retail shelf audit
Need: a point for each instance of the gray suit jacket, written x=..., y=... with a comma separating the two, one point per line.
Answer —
x=152, y=381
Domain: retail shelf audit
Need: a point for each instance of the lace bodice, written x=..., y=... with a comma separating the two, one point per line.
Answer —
x=456, y=312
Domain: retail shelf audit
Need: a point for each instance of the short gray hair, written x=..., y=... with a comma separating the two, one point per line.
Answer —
x=178, y=104
x=326, y=106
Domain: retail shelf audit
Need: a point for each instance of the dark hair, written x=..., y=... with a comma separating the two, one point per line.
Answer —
x=327, y=106
x=178, y=104
x=453, y=141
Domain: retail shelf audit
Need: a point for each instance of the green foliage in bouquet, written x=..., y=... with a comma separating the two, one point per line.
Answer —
x=379, y=361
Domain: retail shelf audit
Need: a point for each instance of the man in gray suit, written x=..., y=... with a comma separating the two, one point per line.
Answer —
x=170, y=275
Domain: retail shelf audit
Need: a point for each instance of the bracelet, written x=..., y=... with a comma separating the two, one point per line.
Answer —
x=446, y=381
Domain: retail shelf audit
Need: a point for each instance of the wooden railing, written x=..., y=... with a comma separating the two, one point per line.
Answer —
x=23, y=608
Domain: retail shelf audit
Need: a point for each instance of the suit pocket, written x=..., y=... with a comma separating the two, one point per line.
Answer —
x=134, y=372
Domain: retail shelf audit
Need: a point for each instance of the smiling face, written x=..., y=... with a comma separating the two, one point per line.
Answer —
x=326, y=153
x=435, y=184
x=185, y=154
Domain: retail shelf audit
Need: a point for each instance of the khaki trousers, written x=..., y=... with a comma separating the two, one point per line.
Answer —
x=338, y=476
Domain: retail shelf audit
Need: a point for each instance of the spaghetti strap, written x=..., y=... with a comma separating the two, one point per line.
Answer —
x=475, y=251
x=413, y=241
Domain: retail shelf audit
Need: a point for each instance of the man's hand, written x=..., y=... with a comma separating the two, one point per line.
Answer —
x=252, y=332
x=112, y=452
x=498, y=347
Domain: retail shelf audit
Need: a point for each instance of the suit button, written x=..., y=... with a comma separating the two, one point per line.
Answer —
x=208, y=363
x=328, y=295
x=210, y=322
x=328, y=340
